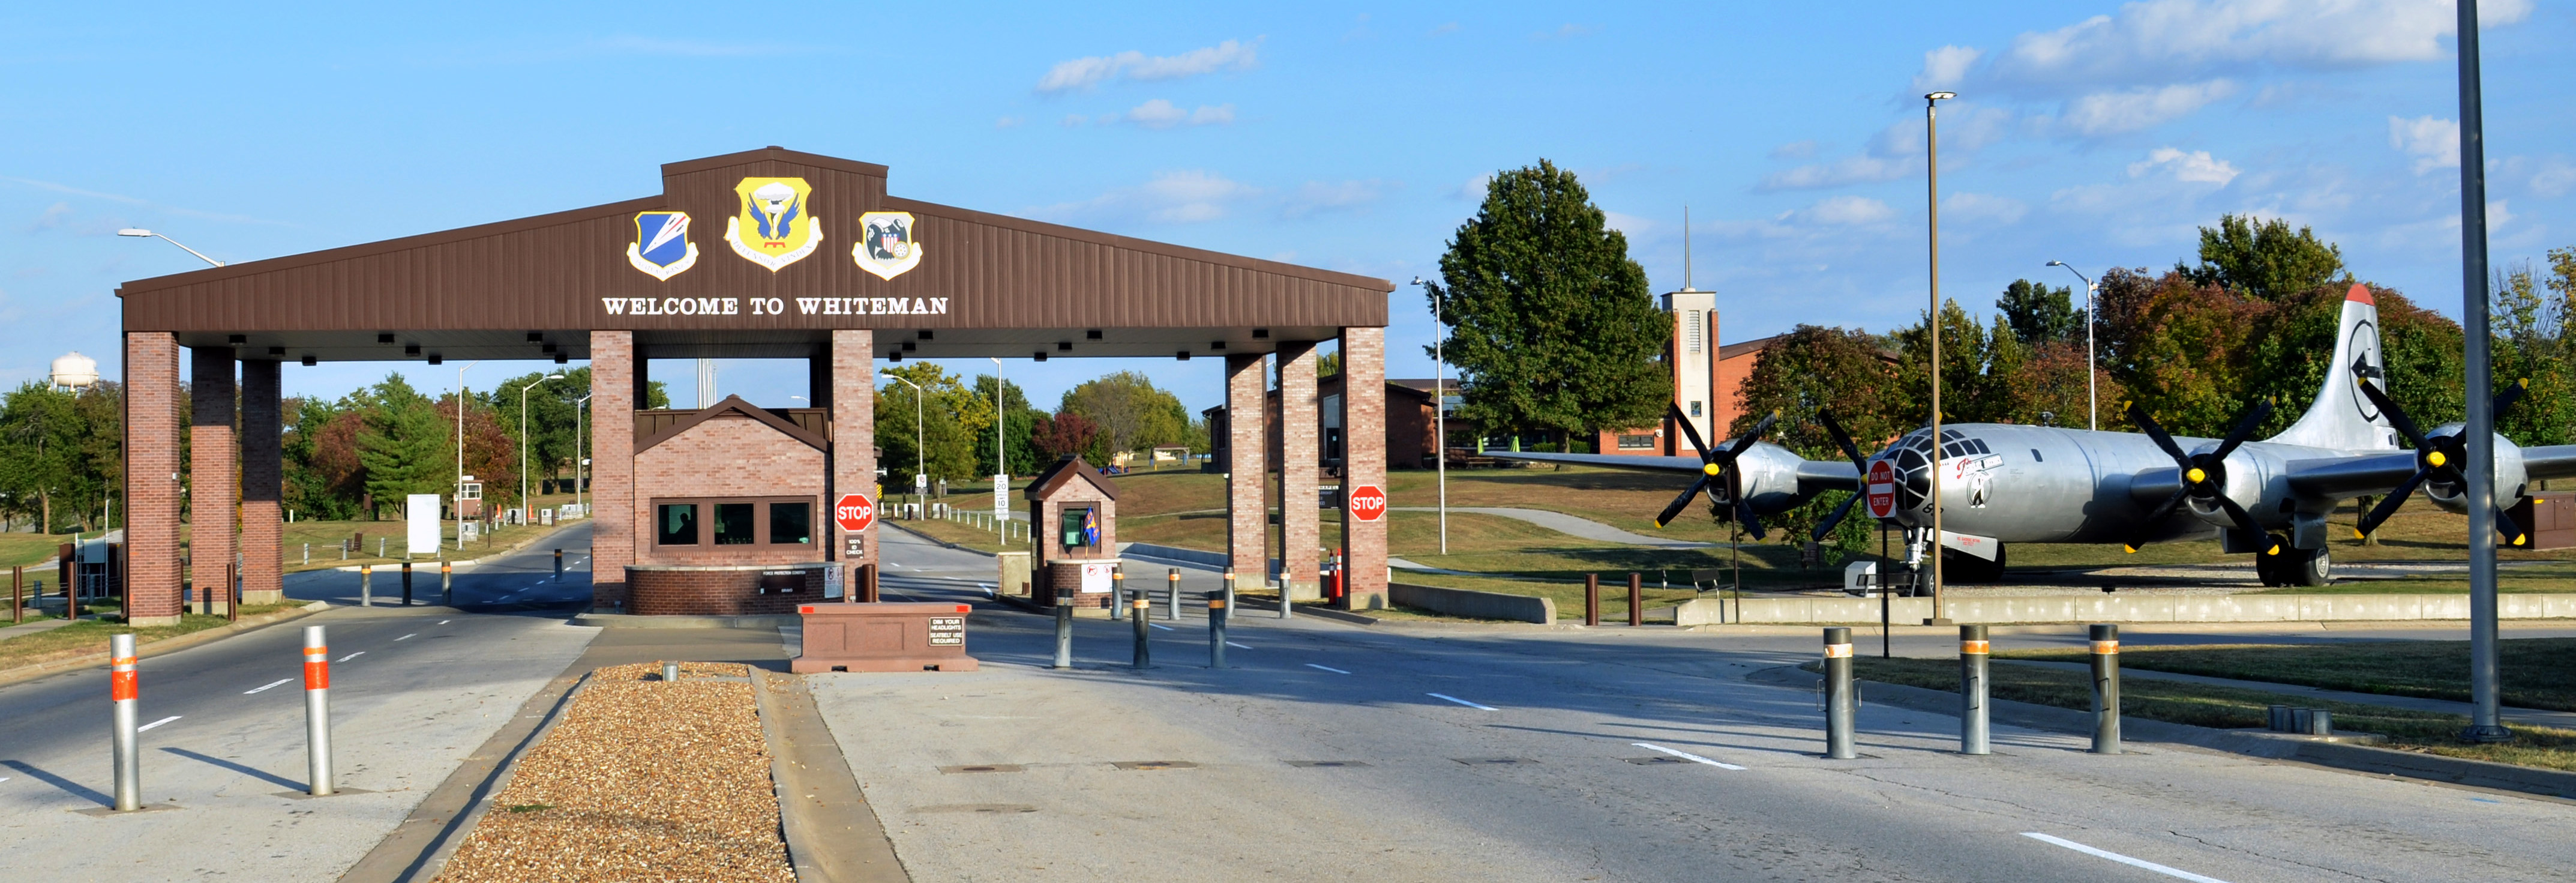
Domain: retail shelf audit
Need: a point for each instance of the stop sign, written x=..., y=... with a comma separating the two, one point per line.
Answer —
x=1882, y=490
x=854, y=512
x=1368, y=503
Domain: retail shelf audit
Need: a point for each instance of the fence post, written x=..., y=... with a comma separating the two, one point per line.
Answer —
x=17, y=595
x=2106, y=689
x=1839, y=707
x=317, y=711
x=123, y=691
x=1973, y=730
x=1591, y=599
x=1636, y=600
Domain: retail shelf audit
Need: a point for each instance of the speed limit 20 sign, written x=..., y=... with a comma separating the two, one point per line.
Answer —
x=1368, y=503
x=854, y=512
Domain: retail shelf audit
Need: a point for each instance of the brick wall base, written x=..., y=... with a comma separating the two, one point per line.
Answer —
x=716, y=591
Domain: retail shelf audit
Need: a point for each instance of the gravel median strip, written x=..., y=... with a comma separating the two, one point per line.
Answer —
x=640, y=780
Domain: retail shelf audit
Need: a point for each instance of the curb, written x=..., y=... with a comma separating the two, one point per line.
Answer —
x=2322, y=752
x=757, y=621
x=171, y=644
x=403, y=855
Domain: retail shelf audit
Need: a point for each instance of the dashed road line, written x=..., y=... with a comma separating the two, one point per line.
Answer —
x=278, y=682
x=156, y=723
x=1324, y=667
x=2176, y=873
x=403, y=638
x=1462, y=701
x=1685, y=755
x=445, y=621
x=353, y=656
x=1236, y=646
x=1160, y=626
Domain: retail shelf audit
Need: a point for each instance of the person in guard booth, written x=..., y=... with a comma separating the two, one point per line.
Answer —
x=888, y=240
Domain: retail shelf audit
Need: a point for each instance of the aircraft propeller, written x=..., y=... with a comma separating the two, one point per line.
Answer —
x=1843, y=440
x=2437, y=458
x=1713, y=465
x=2204, y=475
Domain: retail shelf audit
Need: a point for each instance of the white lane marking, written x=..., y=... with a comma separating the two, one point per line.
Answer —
x=2177, y=873
x=353, y=656
x=403, y=638
x=1685, y=755
x=445, y=621
x=156, y=723
x=279, y=681
x=1236, y=646
x=1163, y=627
x=1324, y=667
x=1461, y=701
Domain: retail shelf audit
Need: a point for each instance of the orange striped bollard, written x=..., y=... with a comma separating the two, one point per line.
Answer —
x=123, y=690
x=317, y=710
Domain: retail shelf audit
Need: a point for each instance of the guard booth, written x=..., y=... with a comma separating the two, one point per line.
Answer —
x=469, y=499
x=92, y=569
x=1073, y=513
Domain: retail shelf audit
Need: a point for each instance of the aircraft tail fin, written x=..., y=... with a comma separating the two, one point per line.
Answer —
x=2341, y=417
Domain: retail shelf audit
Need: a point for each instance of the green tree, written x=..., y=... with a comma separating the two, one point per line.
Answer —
x=404, y=445
x=552, y=421
x=1977, y=366
x=2039, y=314
x=1020, y=421
x=40, y=451
x=1814, y=368
x=1131, y=413
x=2265, y=261
x=1551, y=323
x=935, y=446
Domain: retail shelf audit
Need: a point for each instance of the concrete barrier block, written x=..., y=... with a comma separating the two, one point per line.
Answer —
x=1475, y=604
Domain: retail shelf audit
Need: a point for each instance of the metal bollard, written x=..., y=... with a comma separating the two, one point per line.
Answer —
x=446, y=583
x=1973, y=731
x=1117, y=591
x=406, y=580
x=1144, y=654
x=1172, y=593
x=1216, y=629
x=308, y=554
x=17, y=595
x=124, y=693
x=317, y=711
x=1287, y=608
x=558, y=565
x=1063, y=631
x=1591, y=599
x=1636, y=600
x=1839, y=707
x=366, y=585
x=2106, y=689
x=670, y=672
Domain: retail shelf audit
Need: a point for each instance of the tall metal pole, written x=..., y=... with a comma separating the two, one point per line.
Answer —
x=2092, y=410
x=458, y=490
x=1001, y=454
x=2485, y=723
x=1440, y=412
x=919, y=457
x=1932, y=166
x=580, y=461
x=527, y=508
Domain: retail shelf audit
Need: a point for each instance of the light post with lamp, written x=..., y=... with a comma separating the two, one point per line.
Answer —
x=2092, y=409
x=580, y=461
x=138, y=231
x=527, y=507
x=1440, y=413
x=920, y=458
x=1001, y=454
x=1932, y=319
x=459, y=493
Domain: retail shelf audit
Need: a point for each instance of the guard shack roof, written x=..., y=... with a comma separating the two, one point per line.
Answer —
x=1064, y=471
x=983, y=285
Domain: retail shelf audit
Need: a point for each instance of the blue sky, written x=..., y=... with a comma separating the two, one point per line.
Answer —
x=1346, y=136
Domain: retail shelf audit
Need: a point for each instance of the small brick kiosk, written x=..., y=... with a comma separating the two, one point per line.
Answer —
x=730, y=497
x=1073, y=513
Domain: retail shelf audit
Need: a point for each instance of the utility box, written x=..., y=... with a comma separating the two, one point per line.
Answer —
x=1861, y=578
x=2553, y=520
x=1014, y=576
x=1073, y=515
x=883, y=638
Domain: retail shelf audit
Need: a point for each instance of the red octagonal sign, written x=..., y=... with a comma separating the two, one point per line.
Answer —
x=1882, y=490
x=1368, y=503
x=854, y=512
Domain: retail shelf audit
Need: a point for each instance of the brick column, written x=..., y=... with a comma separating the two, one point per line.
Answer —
x=614, y=397
x=152, y=478
x=263, y=532
x=213, y=491
x=1301, y=521
x=1364, y=464
x=854, y=456
x=1247, y=448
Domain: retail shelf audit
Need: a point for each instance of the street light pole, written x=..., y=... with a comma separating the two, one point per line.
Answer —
x=1932, y=166
x=2092, y=409
x=527, y=508
x=919, y=456
x=457, y=490
x=2485, y=721
x=580, y=461
x=1001, y=454
x=1440, y=413
x=137, y=231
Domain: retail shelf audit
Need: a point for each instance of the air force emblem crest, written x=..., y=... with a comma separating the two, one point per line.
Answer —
x=662, y=248
x=886, y=247
x=776, y=225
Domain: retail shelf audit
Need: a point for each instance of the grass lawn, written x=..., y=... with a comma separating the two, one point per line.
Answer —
x=31, y=549
x=2229, y=708
x=91, y=635
x=2537, y=672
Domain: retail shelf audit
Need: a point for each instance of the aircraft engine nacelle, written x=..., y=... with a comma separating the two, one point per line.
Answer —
x=1768, y=477
x=2255, y=479
x=2510, y=479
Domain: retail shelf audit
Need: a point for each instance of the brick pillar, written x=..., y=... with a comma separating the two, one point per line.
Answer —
x=1301, y=521
x=152, y=478
x=213, y=491
x=1247, y=447
x=263, y=532
x=1364, y=464
x=854, y=456
x=614, y=394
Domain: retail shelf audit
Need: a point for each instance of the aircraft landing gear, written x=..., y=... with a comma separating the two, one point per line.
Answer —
x=2294, y=567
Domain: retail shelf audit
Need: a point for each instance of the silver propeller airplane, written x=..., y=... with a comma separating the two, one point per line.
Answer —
x=2008, y=483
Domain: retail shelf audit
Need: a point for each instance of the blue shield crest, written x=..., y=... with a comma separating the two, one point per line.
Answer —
x=662, y=248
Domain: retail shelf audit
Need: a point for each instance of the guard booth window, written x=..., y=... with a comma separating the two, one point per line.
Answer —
x=734, y=522
x=1076, y=523
x=791, y=524
x=679, y=523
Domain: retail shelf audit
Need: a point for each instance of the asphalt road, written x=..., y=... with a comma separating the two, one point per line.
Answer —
x=1338, y=752
x=412, y=692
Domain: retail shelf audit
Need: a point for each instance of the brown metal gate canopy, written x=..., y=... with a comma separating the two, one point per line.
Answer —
x=982, y=284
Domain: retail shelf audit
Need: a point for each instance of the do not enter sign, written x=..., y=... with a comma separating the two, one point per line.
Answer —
x=1882, y=490
x=854, y=512
x=1368, y=503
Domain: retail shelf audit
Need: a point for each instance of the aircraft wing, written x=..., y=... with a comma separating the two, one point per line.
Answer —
x=1814, y=476
x=2342, y=477
x=2551, y=461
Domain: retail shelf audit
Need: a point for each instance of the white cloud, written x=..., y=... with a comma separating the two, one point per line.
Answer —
x=1631, y=225
x=2197, y=166
x=1965, y=206
x=2160, y=41
x=1943, y=68
x=1089, y=72
x=1178, y=197
x=1795, y=150
x=55, y=215
x=1474, y=189
x=1860, y=169
x=2554, y=179
x=2433, y=142
x=1844, y=210
x=1161, y=114
x=1321, y=196
x=2112, y=113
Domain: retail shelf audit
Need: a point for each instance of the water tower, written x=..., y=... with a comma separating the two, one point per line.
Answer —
x=75, y=372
